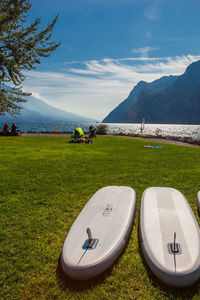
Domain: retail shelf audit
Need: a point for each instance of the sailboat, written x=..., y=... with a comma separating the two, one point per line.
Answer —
x=142, y=125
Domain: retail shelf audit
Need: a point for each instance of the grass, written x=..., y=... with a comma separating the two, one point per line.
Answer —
x=45, y=182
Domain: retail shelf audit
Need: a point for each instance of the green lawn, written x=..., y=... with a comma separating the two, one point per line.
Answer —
x=45, y=183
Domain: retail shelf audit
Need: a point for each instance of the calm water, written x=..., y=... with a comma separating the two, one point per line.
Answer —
x=163, y=129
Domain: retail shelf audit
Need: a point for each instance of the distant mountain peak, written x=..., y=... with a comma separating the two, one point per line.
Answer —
x=121, y=112
x=193, y=67
x=170, y=99
x=37, y=110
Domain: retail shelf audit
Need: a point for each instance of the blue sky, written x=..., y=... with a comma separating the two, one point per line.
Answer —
x=110, y=45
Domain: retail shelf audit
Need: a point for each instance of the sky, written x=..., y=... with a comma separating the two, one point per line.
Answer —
x=108, y=46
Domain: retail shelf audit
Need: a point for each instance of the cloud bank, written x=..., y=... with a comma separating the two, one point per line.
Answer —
x=93, y=88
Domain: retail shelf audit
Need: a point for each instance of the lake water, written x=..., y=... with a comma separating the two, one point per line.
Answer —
x=153, y=129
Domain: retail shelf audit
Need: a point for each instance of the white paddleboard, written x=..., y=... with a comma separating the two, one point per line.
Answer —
x=99, y=233
x=198, y=202
x=170, y=236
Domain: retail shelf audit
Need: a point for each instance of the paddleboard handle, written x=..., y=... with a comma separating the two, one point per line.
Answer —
x=91, y=242
x=174, y=245
x=89, y=233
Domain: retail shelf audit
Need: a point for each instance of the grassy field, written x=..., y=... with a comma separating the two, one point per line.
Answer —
x=45, y=183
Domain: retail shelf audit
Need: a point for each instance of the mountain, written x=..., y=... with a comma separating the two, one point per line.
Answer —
x=119, y=114
x=39, y=111
x=171, y=99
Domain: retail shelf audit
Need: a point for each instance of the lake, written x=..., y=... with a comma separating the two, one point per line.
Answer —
x=113, y=128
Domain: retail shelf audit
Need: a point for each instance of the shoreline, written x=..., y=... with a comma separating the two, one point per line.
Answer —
x=161, y=140
x=188, y=141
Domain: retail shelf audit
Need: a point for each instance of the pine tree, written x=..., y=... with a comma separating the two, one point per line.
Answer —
x=21, y=47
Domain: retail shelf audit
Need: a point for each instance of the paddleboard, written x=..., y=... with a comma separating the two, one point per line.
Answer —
x=170, y=236
x=198, y=202
x=99, y=233
x=153, y=147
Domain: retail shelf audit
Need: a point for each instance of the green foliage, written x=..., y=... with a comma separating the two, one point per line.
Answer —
x=9, y=99
x=21, y=47
x=45, y=183
x=158, y=132
x=102, y=128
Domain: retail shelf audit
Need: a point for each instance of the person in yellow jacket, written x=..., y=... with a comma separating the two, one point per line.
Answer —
x=78, y=132
x=78, y=136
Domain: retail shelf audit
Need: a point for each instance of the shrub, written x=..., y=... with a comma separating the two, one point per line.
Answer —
x=102, y=128
x=158, y=132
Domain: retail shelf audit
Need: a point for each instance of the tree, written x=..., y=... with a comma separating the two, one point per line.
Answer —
x=21, y=47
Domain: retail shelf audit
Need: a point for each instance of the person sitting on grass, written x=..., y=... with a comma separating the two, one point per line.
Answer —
x=5, y=129
x=78, y=135
x=92, y=131
x=13, y=129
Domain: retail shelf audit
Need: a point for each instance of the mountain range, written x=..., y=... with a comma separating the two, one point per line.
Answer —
x=36, y=110
x=168, y=100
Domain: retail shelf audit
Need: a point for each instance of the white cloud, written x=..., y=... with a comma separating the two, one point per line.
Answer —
x=98, y=86
x=65, y=47
x=144, y=51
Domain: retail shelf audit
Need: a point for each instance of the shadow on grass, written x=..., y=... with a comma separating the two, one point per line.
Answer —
x=174, y=292
x=79, y=285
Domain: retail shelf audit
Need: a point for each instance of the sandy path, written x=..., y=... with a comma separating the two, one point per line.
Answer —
x=160, y=141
